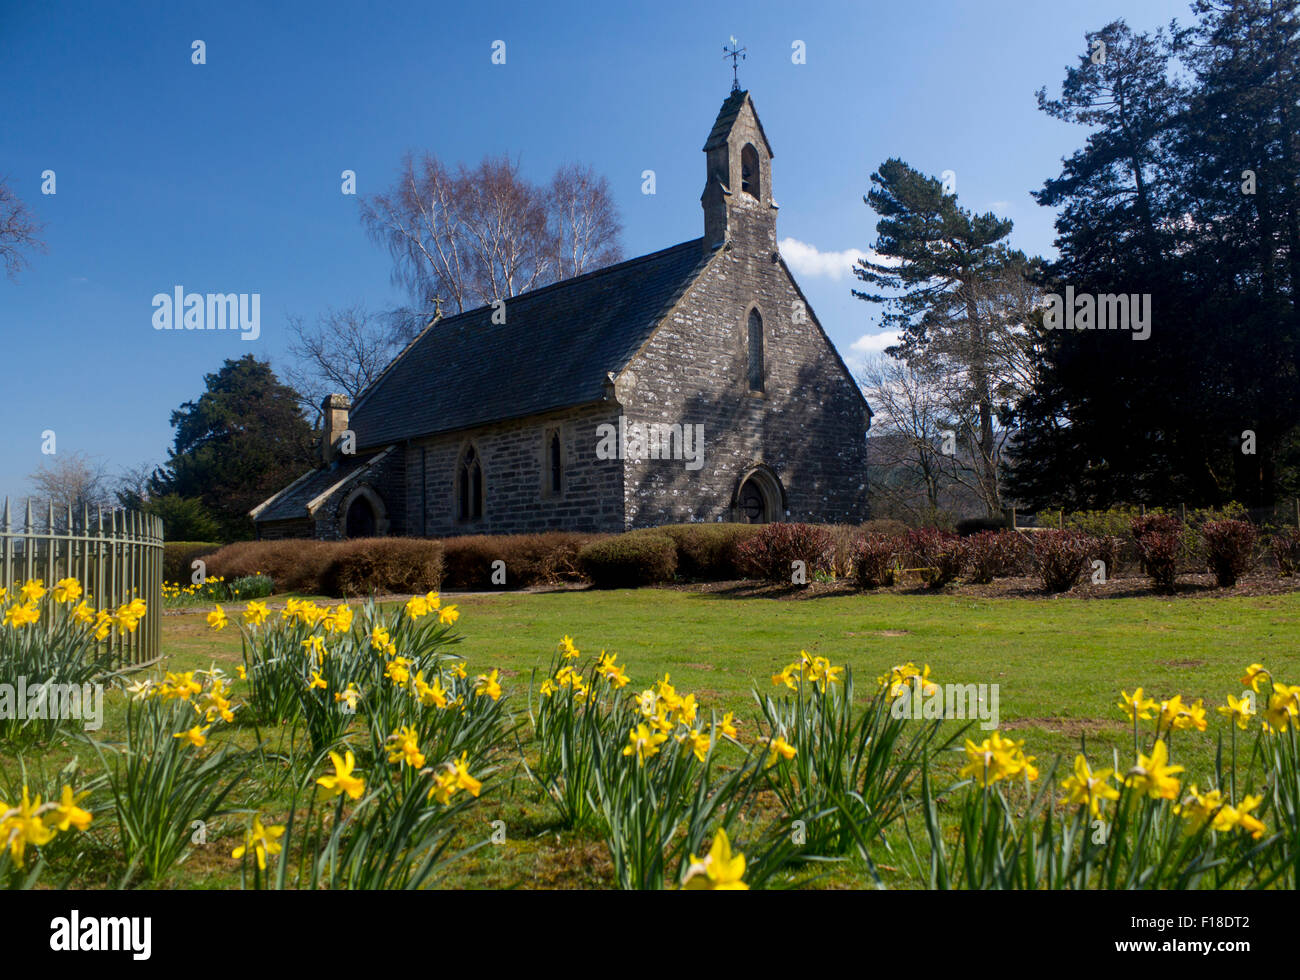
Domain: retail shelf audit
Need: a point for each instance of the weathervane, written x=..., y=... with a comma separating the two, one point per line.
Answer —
x=736, y=54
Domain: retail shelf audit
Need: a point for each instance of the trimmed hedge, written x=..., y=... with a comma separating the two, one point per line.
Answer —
x=629, y=560
x=708, y=552
x=295, y=564
x=179, y=555
x=336, y=568
x=402, y=565
x=550, y=558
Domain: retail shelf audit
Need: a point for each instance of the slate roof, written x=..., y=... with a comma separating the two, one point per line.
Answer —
x=292, y=501
x=557, y=347
x=727, y=118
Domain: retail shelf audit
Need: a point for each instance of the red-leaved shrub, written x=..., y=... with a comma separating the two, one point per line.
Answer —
x=1286, y=550
x=941, y=552
x=874, y=559
x=1159, y=541
x=1109, y=550
x=1060, y=557
x=1229, y=549
x=994, y=554
x=772, y=552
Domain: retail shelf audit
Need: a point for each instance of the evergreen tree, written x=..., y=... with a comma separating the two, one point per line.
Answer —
x=241, y=441
x=953, y=289
x=1156, y=202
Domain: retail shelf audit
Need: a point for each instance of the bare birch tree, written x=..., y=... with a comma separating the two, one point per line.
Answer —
x=471, y=236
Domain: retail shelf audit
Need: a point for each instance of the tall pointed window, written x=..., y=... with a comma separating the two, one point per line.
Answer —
x=469, y=487
x=755, y=351
x=750, y=175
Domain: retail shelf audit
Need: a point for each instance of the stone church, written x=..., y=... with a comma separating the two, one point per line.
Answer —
x=692, y=384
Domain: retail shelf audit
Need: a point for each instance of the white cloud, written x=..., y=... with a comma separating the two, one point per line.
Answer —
x=807, y=260
x=873, y=343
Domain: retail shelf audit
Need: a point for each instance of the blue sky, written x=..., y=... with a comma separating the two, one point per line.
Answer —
x=225, y=177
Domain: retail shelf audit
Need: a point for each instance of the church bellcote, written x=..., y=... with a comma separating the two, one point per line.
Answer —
x=737, y=199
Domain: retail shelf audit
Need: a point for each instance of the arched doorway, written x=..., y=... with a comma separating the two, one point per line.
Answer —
x=360, y=521
x=759, y=498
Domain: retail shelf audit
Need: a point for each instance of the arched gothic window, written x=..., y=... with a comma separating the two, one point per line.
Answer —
x=469, y=487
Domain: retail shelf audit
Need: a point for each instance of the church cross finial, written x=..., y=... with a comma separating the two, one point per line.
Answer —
x=736, y=54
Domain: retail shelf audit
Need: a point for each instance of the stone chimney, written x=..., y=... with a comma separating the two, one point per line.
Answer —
x=334, y=422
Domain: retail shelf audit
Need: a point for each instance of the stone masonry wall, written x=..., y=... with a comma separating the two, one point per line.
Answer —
x=513, y=457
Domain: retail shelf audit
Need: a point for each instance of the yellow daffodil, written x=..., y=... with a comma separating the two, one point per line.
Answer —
x=315, y=645
x=67, y=590
x=463, y=779
x=566, y=648
x=262, y=840
x=1210, y=807
x=405, y=747
x=727, y=727
x=33, y=590
x=778, y=748
x=342, y=780
x=22, y=825
x=611, y=671
x=338, y=620
x=256, y=613
x=686, y=710
x=398, y=670
x=66, y=813
x=444, y=785
x=899, y=681
x=430, y=694
x=719, y=870
x=643, y=743
x=1240, y=710
x=997, y=758
x=217, y=619
x=196, y=736
x=23, y=614
x=697, y=742
x=1176, y=715
x=448, y=615
x=487, y=684
x=1281, y=711
x=1153, y=775
x=348, y=697
x=1254, y=674
x=1088, y=787
x=1137, y=704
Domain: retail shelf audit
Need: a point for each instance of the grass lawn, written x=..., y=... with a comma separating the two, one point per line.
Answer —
x=1059, y=664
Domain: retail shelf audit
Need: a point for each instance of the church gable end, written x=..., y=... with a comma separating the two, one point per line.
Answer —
x=742, y=355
